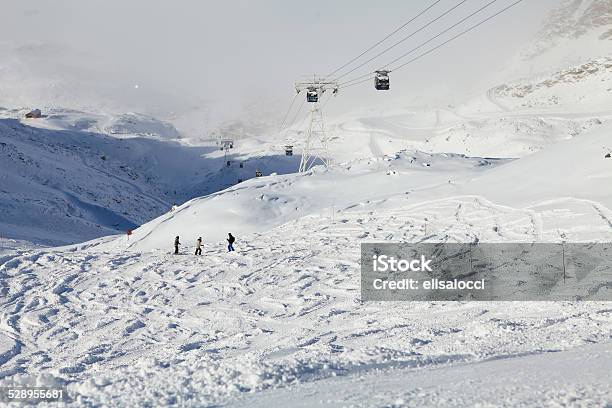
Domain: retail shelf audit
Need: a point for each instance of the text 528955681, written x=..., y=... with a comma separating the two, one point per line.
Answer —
x=31, y=394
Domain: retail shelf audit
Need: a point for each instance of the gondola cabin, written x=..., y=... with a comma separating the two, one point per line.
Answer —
x=312, y=95
x=381, y=80
x=258, y=173
x=288, y=150
x=34, y=114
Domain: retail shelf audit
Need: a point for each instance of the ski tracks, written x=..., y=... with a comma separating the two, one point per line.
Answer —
x=287, y=299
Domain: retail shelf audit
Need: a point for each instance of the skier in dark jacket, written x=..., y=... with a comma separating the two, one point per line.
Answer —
x=176, y=245
x=230, y=240
x=198, y=250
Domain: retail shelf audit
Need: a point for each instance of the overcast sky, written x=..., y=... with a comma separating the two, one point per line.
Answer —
x=168, y=56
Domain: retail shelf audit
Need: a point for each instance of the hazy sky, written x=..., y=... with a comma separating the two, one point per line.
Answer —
x=234, y=54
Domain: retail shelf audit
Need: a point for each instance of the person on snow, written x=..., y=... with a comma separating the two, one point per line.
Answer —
x=230, y=240
x=199, y=246
x=176, y=245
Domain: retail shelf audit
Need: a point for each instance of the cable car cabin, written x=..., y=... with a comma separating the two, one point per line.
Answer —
x=34, y=114
x=258, y=173
x=288, y=150
x=381, y=80
x=312, y=95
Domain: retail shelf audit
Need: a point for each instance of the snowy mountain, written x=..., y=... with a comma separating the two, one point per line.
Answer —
x=120, y=321
x=84, y=175
x=579, y=88
x=569, y=63
x=282, y=315
x=575, y=19
x=574, y=33
x=284, y=311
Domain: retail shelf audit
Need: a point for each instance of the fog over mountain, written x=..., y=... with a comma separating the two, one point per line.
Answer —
x=202, y=62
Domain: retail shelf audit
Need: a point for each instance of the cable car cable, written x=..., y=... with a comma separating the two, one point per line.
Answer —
x=359, y=82
x=458, y=35
x=443, y=32
x=296, y=114
x=441, y=44
x=426, y=42
x=327, y=101
x=403, y=39
x=386, y=38
x=287, y=113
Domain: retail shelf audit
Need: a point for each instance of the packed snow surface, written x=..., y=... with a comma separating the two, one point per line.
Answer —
x=124, y=322
x=144, y=328
x=120, y=321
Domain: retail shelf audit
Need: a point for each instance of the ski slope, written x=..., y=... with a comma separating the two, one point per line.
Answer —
x=121, y=321
x=282, y=315
x=573, y=378
x=125, y=323
x=552, y=159
x=282, y=311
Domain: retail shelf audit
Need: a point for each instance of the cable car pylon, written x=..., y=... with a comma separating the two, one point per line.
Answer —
x=315, y=145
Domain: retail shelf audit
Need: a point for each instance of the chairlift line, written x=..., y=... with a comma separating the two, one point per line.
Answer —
x=386, y=38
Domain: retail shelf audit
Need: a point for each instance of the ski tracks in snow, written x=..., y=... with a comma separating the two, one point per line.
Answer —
x=284, y=308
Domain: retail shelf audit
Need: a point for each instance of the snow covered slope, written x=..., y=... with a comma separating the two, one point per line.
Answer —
x=480, y=128
x=81, y=185
x=579, y=88
x=126, y=327
x=576, y=377
x=283, y=315
x=84, y=175
x=260, y=204
x=280, y=322
x=575, y=169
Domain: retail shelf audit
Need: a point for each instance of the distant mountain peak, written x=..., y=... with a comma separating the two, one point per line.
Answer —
x=575, y=18
x=574, y=32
